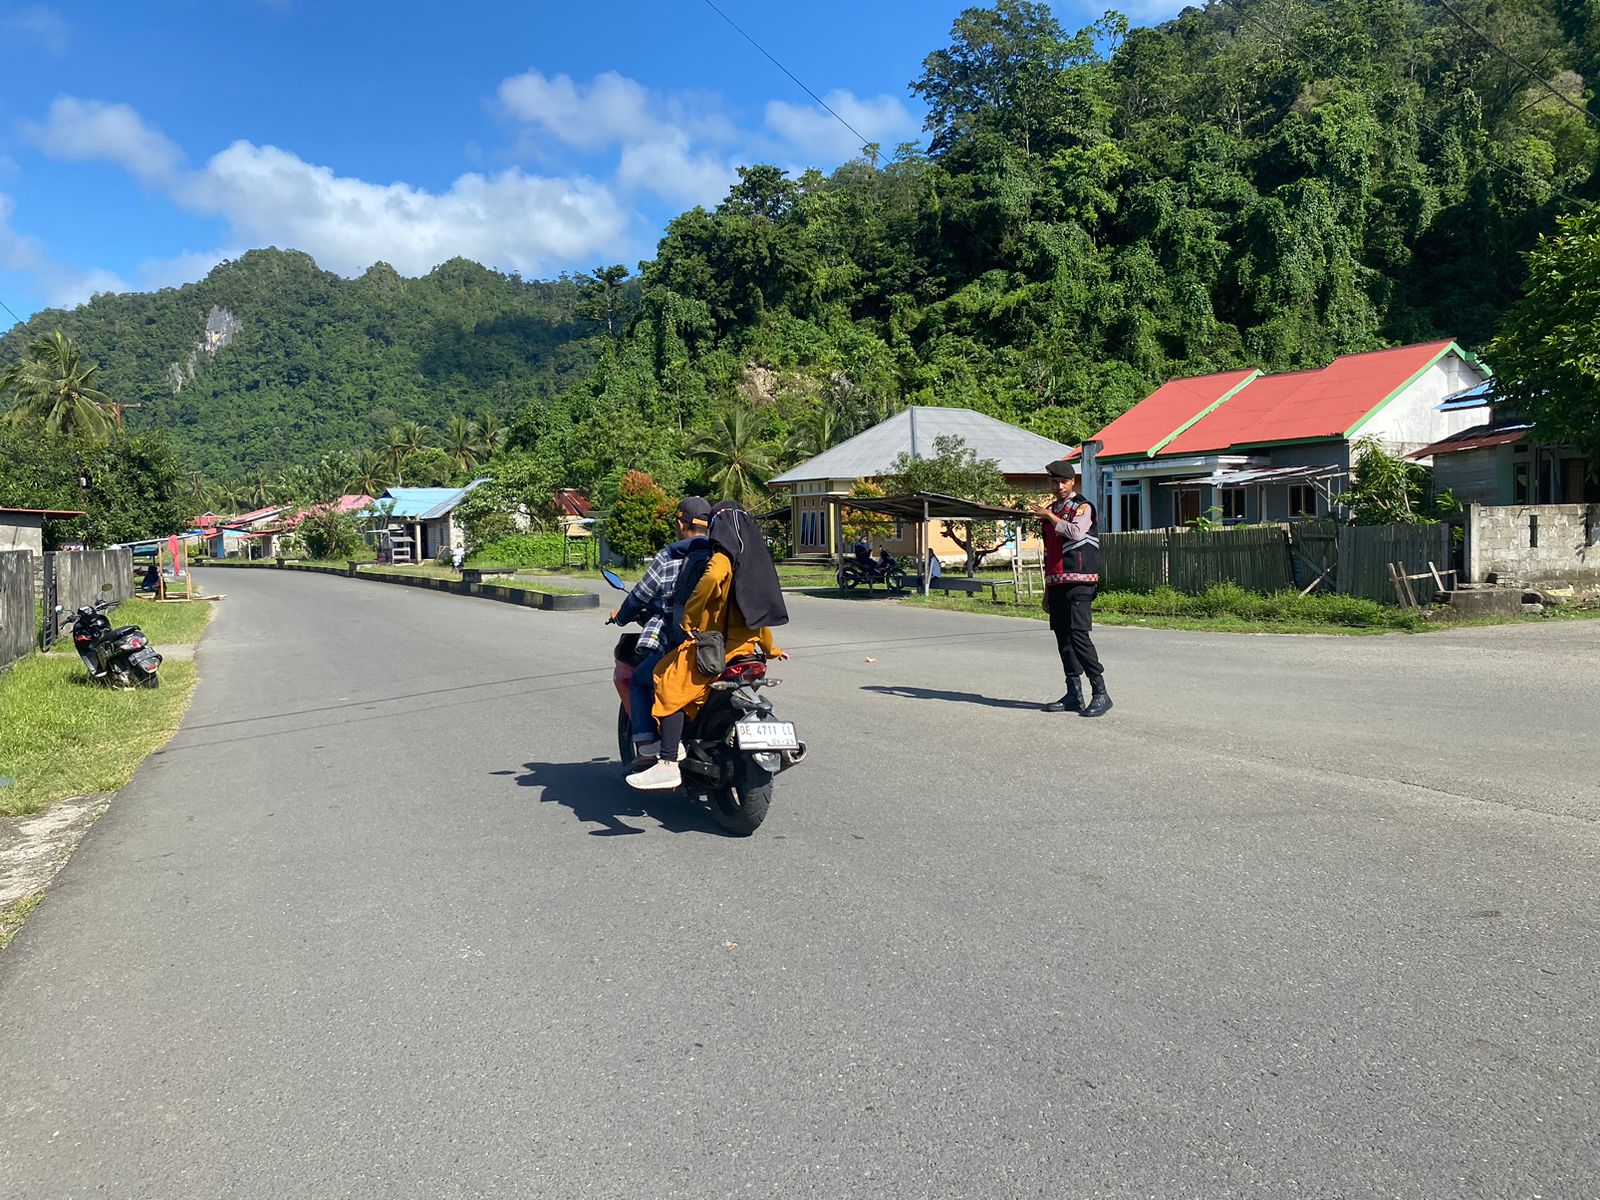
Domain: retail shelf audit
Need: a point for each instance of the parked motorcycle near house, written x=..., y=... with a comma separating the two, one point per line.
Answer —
x=114, y=657
x=735, y=746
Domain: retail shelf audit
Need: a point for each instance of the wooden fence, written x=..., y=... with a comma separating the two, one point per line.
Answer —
x=1350, y=559
x=17, y=605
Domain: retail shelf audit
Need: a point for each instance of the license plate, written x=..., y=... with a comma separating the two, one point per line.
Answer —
x=767, y=735
x=143, y=658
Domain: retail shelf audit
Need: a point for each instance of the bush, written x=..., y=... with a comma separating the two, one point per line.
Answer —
x=640, y=522
x=1231, y=600
x=521, y=550
x=330, y=536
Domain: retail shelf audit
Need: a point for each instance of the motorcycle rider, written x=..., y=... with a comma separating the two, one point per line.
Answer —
x=739, y=597
x=650, y=604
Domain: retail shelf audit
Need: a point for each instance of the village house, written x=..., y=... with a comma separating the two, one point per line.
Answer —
x=1500, y=459
x=420, y=521
x=23, y=528
x=1243, y=446
x=814, y=522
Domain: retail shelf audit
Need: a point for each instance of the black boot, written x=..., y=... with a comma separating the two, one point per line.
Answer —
x=1099, y=698
x=1071, y=702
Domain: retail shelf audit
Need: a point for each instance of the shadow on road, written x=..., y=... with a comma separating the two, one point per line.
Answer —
x=597, y=794
x=917, y=693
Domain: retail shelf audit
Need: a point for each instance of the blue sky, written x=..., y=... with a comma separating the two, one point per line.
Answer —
x=142, y=143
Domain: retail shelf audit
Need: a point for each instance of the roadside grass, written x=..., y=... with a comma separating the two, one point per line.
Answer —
x=64, y=736
x=1224, y=608
x=14, y=914
x=165, y=622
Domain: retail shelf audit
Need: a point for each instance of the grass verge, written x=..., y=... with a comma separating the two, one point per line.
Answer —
x=14, y=914
x=1224, y=608
x=64, y=736
x=165, y=622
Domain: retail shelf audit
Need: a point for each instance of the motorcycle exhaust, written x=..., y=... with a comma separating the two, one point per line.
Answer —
x=794, y=758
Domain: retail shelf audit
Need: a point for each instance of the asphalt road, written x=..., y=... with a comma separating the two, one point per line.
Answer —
x=1301, y=917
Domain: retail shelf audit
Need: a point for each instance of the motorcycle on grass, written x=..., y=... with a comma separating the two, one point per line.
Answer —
x=734, y=747
x=114, y=657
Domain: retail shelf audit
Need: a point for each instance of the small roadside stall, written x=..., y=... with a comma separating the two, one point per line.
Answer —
x=920, y=509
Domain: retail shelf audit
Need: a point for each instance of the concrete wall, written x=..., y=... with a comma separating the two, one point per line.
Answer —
x=22, y=531
x=1501, y=542
x=17, y=608
x=80, y=575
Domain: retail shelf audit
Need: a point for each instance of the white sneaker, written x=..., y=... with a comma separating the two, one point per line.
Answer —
x=663, y=777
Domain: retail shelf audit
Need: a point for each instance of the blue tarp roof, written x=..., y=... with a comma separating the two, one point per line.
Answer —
x=1472, y=397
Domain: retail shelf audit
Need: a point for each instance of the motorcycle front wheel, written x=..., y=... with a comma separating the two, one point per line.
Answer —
x=624, y=736
x=740, y=809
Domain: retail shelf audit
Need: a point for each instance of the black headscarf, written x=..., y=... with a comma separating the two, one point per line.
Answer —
x=755, y=579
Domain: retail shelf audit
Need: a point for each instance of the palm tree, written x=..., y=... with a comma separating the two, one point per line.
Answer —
x=52, y=383
x=258, y=490
x=735, y=459
x=414, y=437
x=333, y=476
x=395, y=451
x=372, y=472
x=491, y=434
x=461, y=443
x=198, y=489
x=819, y=429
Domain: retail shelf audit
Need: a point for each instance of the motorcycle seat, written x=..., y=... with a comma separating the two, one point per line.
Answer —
x=124, y=631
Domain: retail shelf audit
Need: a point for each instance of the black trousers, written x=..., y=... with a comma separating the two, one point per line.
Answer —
x=1071, y=619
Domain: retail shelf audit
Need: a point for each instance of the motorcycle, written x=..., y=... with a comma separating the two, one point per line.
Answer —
x=734, y=747
x=893, y=574
x=121, y=657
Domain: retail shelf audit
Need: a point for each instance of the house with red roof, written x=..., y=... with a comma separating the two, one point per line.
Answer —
x=1243, y=446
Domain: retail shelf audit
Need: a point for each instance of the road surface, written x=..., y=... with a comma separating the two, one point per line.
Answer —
x=1301, y=917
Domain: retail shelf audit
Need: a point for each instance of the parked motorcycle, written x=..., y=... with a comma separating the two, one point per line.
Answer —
x=735, y=746
x=894, y=574
x=120, y=657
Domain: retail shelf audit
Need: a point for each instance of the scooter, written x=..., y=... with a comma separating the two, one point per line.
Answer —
x=735, y=746
x=121, y=657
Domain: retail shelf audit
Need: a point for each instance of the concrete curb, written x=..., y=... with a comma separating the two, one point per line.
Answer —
x=524, y=597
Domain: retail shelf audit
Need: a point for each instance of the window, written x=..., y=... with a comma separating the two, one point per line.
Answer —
x=1302, y=500
x=1129, y=503
x=1233, y=504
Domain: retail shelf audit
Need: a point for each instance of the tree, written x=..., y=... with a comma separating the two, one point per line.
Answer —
x=956, y=470
x=640, y=521
x=55, y=385
x=859, y=523
x=461, y=443
x=1548, y=353
x=371, y=475
x=602, y=297
x=489, y=433
x=1386, y=490
x=819, y=428
x=734, y=457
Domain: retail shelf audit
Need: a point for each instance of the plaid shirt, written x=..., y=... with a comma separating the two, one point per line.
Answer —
x=650, y=600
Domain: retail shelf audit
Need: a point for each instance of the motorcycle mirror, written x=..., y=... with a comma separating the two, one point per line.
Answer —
x=613, y=579
x=61, y=608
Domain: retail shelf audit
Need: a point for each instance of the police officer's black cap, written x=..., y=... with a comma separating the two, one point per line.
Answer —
x=1062, y=469
x=694, y=510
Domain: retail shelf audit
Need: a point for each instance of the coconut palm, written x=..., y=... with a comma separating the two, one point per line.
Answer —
x=735, y=459
x=333, y=476
x=491, y=434
x=394, y=451
x=819, y=429
x=414, y=437
x=53, y=383
x=371, y=472
x=461, y=443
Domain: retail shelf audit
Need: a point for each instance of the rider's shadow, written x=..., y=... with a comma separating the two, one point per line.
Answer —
x=597, y=794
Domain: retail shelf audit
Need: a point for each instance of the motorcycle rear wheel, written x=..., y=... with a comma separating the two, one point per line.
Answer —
x=624, y=736
x=740, y=809
x=150, y=680
x=849, y=579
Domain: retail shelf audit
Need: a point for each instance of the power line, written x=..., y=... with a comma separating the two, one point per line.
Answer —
x=14, y=316
x=859, y=138
x=1510, y=58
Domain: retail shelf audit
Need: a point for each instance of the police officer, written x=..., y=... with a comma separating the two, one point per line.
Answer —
x=1071, y=578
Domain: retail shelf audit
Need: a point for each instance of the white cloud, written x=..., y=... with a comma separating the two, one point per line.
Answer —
x=609, y=110
x=183, y=268
x=671, y=169
x=63, y=284
x=509, y=219
x=42, y=26
x=821, y=141
x=83, y=130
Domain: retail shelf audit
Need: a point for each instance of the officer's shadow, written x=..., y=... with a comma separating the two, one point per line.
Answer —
x=598, y=794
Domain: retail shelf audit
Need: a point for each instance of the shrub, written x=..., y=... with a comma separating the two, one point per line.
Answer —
x=640, y=521
x=521, y=550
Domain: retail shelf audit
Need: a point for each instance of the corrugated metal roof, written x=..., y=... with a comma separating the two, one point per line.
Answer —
x=1145, y=427
x=871, y=454
x=426, y=504
x=1306, y=405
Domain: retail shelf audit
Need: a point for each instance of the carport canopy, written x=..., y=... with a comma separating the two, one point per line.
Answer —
x=922, y=507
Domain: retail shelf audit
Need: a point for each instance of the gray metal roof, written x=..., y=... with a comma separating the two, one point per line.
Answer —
x=871, y=454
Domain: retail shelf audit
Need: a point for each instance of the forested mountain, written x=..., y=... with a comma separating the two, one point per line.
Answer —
x=270, y=361
x=1261, y=182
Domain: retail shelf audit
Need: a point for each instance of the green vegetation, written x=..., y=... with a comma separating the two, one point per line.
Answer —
x=640, y=523
x=1223, y=607
x=166, y=622
x=1548, y=355
x=66, y=737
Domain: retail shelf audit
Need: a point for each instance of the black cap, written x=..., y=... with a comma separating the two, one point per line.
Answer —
x=1062, y=469
x=694, y=510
